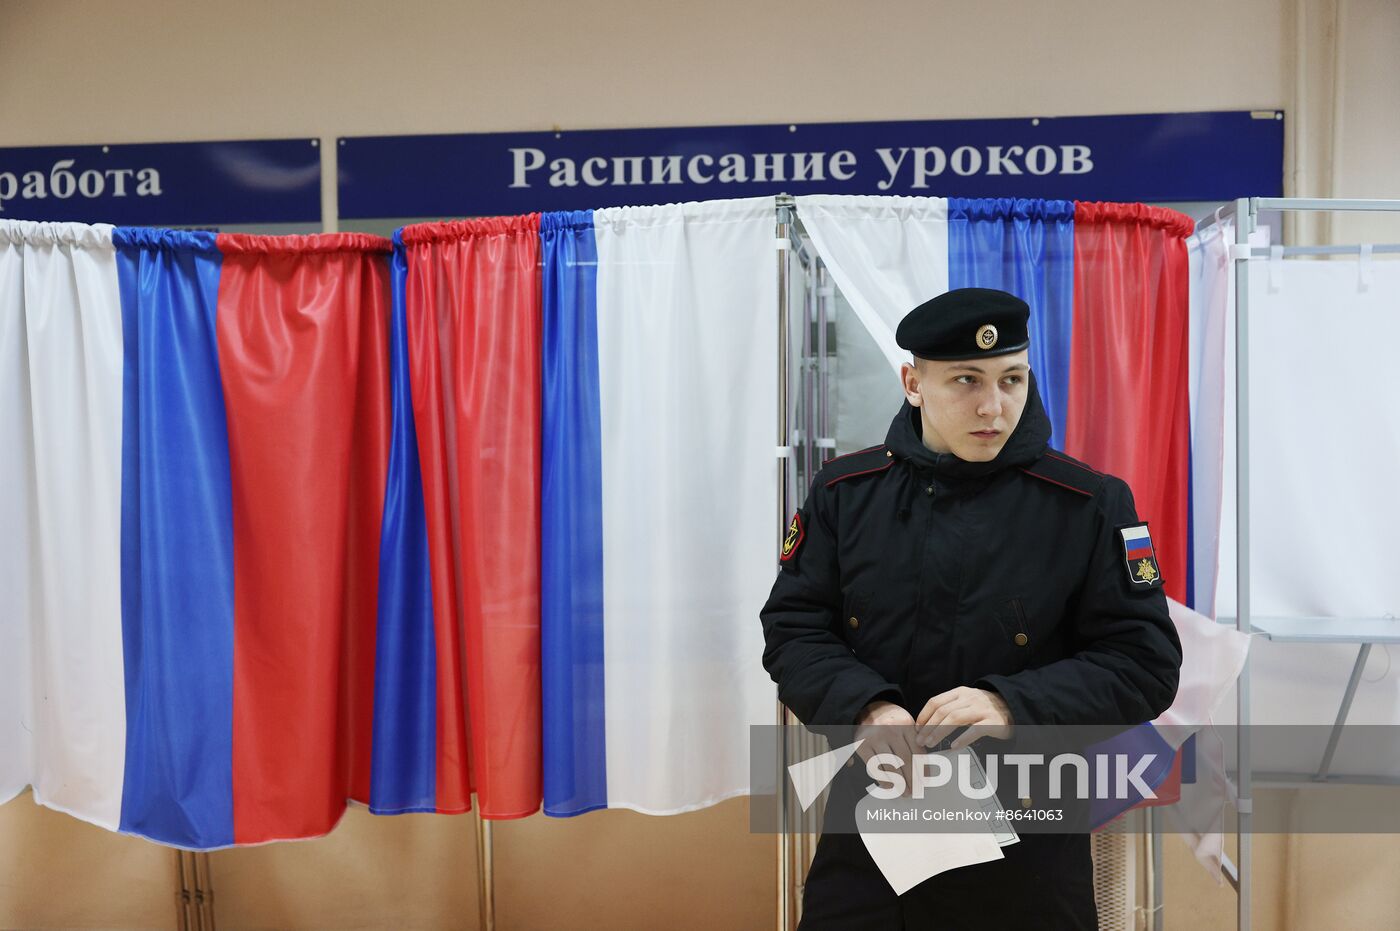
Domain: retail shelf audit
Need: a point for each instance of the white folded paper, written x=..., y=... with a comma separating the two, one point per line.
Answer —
x=908, y=857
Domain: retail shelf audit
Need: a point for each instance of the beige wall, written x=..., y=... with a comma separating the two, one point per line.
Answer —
x=146, y=71
x=59, y=872
x=1343, y=131
x=603, y=871
x=80, y=72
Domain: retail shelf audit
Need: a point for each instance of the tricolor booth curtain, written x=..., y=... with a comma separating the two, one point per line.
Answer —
x=482, y=517
x=458, y=684
x=1109, y=324
x=659, y=494
x=1106, y=284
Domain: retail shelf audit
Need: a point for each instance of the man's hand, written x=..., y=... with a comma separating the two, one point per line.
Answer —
x=885, y=727
x=884, y=712
x=983, y=713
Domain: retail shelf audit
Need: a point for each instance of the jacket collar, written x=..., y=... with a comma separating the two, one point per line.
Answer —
x=1026, y=444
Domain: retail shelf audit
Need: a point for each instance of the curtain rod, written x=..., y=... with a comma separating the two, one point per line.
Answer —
x=1266, y=251
x=1325, y=203
x=1302, y=204
x=1259, y=203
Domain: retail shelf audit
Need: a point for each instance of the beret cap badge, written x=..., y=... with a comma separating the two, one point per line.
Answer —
x=986, y=336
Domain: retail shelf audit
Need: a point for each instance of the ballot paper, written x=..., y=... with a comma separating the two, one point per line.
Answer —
x=908, y=856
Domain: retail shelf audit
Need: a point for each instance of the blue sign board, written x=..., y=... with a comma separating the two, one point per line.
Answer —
x=1145, y=157
x=164, y=183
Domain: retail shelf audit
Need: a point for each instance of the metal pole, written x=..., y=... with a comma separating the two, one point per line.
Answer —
x=1382, y=248
x=804, y=836
x=1154, y=826
x=485, y=872
x=205, y=890
x=1246, y=212
x=808, y=418
x=824, y=432
x=1320, y=203
x=806, y=424
x=1360, y=666
x=784, y=913
x=184, y=898
x=824, y=302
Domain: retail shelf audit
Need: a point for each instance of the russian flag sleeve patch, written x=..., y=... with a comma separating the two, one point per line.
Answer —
x=1139, y=557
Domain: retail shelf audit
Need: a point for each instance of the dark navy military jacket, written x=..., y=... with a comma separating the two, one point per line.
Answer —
x=907, y=573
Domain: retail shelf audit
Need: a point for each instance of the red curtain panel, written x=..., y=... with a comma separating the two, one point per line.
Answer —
x=303, y=354
x=472, y=299
x=1129, y=411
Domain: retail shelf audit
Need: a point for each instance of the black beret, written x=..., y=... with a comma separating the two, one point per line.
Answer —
x=966, y=323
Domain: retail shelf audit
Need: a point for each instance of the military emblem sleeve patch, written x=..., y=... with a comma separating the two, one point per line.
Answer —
x=1139, y=557
x=793, y=538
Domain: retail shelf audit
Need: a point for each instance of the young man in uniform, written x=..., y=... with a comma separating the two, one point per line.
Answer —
x=966, y=574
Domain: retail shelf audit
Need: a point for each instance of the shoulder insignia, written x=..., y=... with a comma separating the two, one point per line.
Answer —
x=1139, y=557
x=793, y=538
x=861, y=462
x=1067, y=472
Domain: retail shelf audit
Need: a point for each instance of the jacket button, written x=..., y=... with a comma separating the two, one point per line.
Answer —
x=1021, y=640
x=888, y=454
x=929, y=489
x=854, y=622
x=1025, y=803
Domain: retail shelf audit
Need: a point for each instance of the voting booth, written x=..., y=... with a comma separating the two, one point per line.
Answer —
x=506, y=493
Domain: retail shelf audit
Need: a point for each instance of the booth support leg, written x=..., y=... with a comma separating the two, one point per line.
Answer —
x=784, y=914
x=1246, y=216
x=1154, y=828
x=485, y=873
x=1342, y=712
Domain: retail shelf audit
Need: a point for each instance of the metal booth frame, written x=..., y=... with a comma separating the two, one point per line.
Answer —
x=800, y=446
x=1362, y=632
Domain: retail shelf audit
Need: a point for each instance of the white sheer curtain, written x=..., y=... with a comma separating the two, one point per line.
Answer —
x=1213, y=654
x=687, y=349
x=1324, y=438
x=1212, y=341
x=886, y=254
x=62, y=697
x=1212, y=657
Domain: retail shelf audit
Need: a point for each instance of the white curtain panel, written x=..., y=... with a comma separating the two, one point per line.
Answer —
x=1212, y=654
x=1324, y=437
x=1199, y=816
x=867, y=393
x=687, y=348
x=17, y=523
x=886, y=254
x=1324, y=440
x=1212, y=657
x=62, y=697
x=1212, y=299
